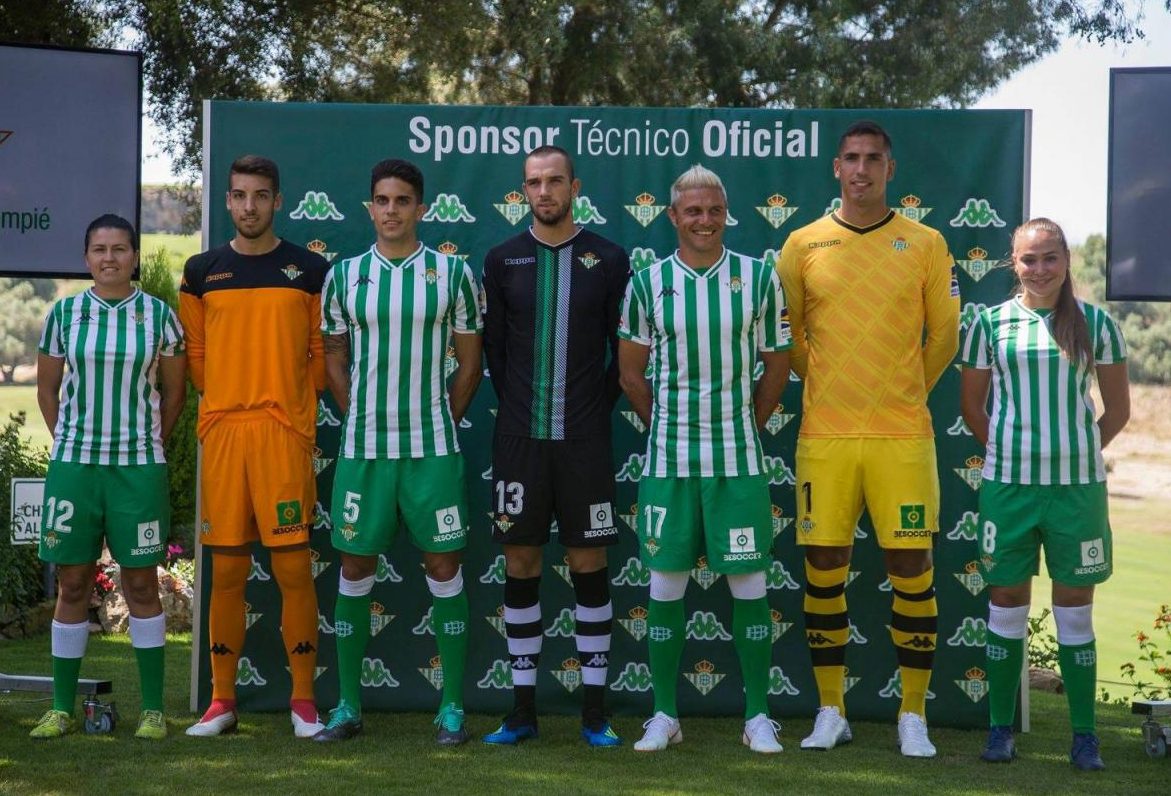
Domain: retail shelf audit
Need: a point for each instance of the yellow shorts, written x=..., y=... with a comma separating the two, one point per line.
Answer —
x=894, y=479
x=257, y=482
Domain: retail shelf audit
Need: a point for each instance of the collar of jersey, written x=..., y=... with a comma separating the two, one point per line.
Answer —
x=407, y=261
x=567, y=242
x=1032, y=313
x=107, y=305
x=705, y=273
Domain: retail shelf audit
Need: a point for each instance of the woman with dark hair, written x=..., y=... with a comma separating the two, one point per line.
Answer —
x=110, y=387
x=1044, y=480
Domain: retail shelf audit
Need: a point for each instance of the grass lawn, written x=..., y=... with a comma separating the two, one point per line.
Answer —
x=177, y=247
x=23, y=398
x=397, y=753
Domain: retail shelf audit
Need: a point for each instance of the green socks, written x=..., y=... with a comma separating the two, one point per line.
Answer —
x=1079, y=671
x=351, y=625
x=449, y=617
x=1005, y=657
x=752, y=637
x=665, y=641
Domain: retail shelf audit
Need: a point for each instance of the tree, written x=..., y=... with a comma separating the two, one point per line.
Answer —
x=22, y=313
x=804, y=53
x=1145, y=325
x=735, y=53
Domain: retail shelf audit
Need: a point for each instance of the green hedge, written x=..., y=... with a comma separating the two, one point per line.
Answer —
x=20, y=569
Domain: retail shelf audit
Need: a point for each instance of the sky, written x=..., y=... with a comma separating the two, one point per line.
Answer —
x=1069, y=94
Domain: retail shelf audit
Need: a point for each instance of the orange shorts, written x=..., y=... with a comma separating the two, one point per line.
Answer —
x=257, y=482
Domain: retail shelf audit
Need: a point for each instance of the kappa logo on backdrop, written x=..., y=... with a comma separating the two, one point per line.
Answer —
x=633, y=573
x=448, y=208
x=834, y=205
x=779, y=683
x=562, y=626
x=977, y=213
x=634, y=677
x=257, y=572
x=325, y=415
x=384, y=571
x=632, y=468
x=425, y=626
x=247, y=674
x=705, y=626
x=376, y=675
x=972, y=632
x=969, y=313
x=498, y=676
x=777, y=577
x=586, y=212
x=644, y=209
x=641, y=257
x=959, y=428
x=316, y=206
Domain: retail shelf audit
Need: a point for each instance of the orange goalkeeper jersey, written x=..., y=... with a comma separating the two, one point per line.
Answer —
x=253, y=326
x=861, y=301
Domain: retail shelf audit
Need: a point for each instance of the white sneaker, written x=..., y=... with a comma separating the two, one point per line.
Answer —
x=305, y=729
x=760, y=735
x=913, y=740
x=218, y=720
x=830, y=728
x=661, y=730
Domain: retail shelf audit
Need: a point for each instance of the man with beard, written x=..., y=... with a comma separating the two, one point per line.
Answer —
x=252, y=311
x=550, y=336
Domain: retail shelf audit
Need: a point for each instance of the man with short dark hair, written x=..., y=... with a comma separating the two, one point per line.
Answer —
x=551, y=315
x=865, y=287
x=252, y=312
x=387, y=315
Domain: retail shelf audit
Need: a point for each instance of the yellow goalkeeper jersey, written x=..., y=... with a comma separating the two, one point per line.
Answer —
x=874, y=314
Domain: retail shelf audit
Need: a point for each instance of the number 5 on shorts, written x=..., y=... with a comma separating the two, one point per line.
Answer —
x=350, y=507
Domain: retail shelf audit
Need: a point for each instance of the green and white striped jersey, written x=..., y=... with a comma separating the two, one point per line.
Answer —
x=109, y=412
x=398, y=317
x=704, y=329
x=1041, y=425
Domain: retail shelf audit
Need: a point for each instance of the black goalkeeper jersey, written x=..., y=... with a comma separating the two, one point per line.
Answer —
x=550, y=334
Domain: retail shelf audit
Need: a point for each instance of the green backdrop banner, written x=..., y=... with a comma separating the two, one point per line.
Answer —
x=961, y=172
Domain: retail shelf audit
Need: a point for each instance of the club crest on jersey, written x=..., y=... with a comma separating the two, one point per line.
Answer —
x=634, y=677
x=974, y=686
x=971, y=471
x=497, y=621
x=911, y=207
x=977, y=213
x=247, y=674
x=430, y=276
x=776, y=210
x=318, y=247
x=569, y=675
x=291, y=271
x=589, y=260
x=703, y=575
x=250, y=617
x=636, y=624
x=644, y=209
x=448, y=208
x=900, y=244
x=514, y=207
x=504, y=523
x=705, y=677
x=316, y=206
x=971, y=579
x=735, y=284
x=586, y=212
x=780, y=684
x=205, y=527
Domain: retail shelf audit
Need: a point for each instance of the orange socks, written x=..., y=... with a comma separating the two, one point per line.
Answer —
x=225, y=622
x=293, y=574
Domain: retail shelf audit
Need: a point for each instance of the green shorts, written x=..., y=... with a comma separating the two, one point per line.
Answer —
x=128, y=506
x=728, y=519
x=370, y=494
x=1069, y=521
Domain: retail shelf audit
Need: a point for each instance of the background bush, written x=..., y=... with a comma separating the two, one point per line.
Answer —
x=20, y=569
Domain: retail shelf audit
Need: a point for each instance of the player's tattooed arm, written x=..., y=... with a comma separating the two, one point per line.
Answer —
x=337, y=368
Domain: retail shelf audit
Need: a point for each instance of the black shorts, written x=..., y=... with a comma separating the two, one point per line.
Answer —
x=535, y=481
